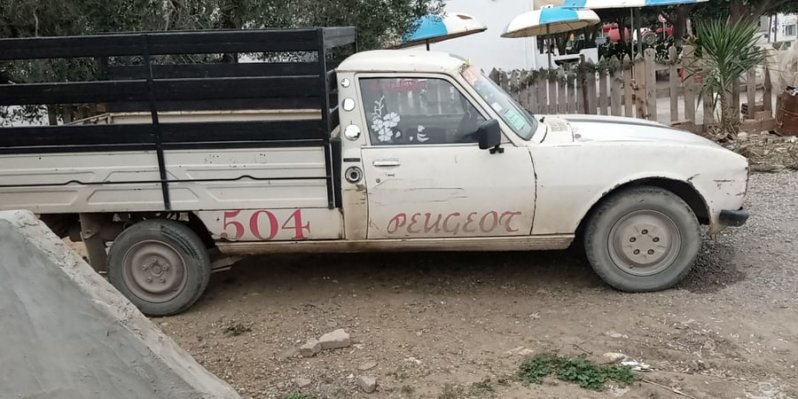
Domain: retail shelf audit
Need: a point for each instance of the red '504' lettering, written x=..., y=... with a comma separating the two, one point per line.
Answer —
x=263, y=225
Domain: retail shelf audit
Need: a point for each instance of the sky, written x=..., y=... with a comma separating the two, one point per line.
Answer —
x=488, y=49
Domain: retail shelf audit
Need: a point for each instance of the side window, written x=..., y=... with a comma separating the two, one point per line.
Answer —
x=418, y=111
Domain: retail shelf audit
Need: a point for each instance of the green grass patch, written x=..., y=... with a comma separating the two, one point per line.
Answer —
x=578, y=370
x=297, y=395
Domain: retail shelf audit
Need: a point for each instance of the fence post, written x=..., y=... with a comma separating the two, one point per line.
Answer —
x=573, y=97
x=602, y=87
x=674, y=80
x=767, y=92
x=615, y=86
x=709, y=108
x=562, y=100
x=543, y=100
x=581, y=86
x=552, y=88
x=735, y=97
x=531, y=93
x=688, y=86
x=651, y=84
x=750, y=88
x=590, y=86
x=628, y=95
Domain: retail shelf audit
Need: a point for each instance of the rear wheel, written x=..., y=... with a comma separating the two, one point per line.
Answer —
x=161, y=266
x=642, y=239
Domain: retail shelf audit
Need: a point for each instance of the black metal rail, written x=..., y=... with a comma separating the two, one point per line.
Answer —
x=142, y=84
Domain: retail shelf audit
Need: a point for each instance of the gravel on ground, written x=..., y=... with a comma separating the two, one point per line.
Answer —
x=449, y=325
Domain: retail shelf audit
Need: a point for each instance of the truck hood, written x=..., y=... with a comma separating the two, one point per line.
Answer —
x=587, y=128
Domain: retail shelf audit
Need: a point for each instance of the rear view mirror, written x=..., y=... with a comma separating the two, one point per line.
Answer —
x=490, y=136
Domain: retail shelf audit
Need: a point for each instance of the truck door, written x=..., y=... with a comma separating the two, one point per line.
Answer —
x=425, y=173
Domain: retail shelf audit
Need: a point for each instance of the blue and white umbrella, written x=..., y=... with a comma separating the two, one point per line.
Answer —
x=434, y=28
x=601, y=4
x=548, y=21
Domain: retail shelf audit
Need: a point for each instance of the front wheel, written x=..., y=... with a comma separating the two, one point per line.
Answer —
x=161, y=266
x=642, y=239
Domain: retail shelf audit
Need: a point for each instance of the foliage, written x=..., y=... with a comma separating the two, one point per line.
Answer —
x=576, y=369
x=452, y=392
x=741, y=9
x=728, y=50
x=297, y=395
x=379, y=23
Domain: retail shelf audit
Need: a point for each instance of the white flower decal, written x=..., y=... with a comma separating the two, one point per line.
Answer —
x=385, y=135
x=391, y=120
x=383, y=125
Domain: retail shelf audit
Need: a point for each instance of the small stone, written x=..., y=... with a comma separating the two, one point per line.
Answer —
x=287, y=354
x=367, y=384
x=311, y=348
x=612, y=357
x=302, y=382
x=334, y=340
x=514, y=350
x=742, y=136
x=613, y=334
x=367, y=366
x=526, y=352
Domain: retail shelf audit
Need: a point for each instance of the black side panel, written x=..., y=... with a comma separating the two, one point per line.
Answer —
x=135, y=74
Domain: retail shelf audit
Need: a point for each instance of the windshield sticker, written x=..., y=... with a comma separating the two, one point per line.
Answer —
x=421, y=136
x=496, y=107
x=515, y=119
x=471, y=75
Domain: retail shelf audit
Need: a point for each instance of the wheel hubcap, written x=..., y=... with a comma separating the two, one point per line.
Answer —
x=644, y=242
x=154, y=271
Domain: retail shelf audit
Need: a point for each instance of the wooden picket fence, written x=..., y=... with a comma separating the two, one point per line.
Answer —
x=613, y=87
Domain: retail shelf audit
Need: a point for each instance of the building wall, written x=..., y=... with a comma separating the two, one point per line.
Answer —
x=783, y=28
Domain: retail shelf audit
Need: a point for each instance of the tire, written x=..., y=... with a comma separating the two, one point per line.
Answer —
x=161, y=266
x=642, y=239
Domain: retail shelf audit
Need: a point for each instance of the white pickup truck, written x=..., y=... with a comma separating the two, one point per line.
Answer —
x=389, y=151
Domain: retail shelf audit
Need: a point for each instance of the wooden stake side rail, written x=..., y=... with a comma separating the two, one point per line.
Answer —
x=132, y=76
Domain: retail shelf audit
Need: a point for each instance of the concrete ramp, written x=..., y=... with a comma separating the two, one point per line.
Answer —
x=67, y=333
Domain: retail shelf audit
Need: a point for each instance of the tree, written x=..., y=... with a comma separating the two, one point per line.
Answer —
x=728, y=49
x=379, y=23
x=742, y=9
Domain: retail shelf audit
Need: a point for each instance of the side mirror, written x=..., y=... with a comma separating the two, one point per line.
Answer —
x=490, y=136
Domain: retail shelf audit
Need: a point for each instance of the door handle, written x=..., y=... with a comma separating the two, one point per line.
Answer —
x=386, y=163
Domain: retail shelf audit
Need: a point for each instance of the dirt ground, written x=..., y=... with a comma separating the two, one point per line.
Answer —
x=449, y=325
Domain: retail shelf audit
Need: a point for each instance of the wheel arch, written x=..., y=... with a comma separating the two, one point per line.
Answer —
x=683, y=189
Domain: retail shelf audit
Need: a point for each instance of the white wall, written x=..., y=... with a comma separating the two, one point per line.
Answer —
x=778, y=27
x=488, y=49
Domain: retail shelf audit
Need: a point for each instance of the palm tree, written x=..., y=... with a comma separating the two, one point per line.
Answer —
x=728, y=50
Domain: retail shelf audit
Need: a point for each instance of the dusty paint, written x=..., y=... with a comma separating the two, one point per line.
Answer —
x=520, y=243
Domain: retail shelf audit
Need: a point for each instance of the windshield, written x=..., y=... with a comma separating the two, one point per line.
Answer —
x=515, y=116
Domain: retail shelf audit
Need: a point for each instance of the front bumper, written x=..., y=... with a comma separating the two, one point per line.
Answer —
x=733, y=218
